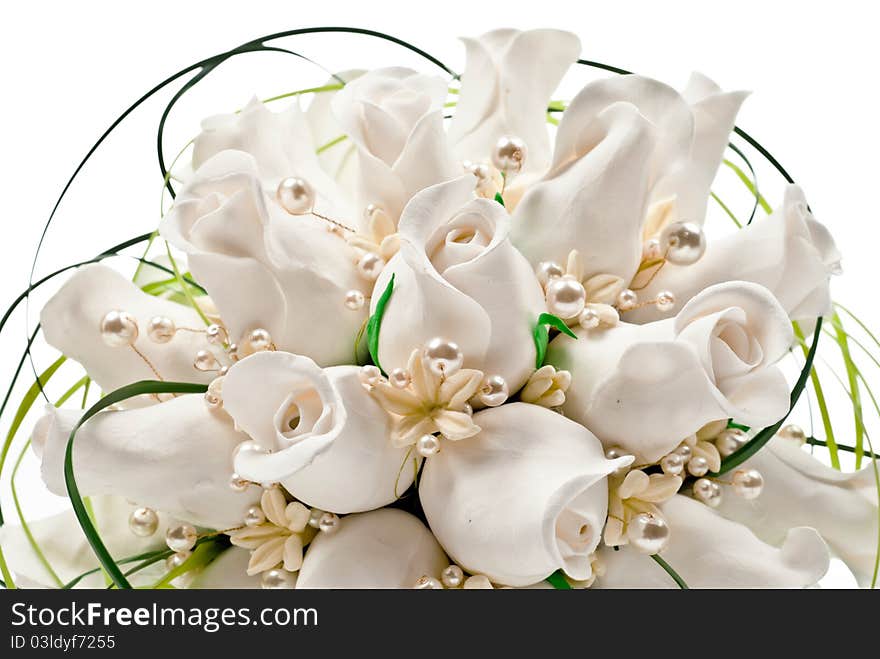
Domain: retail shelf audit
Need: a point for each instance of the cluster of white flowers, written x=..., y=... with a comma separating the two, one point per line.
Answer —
x=466, y=453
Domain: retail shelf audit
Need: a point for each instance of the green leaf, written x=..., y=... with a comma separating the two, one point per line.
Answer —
x=557, y=580
x=757, y=442
x=375, y=322
x=738, y=426
x=840, y=338
x=361, y=351
x=672, y=573
x=499, y=198
x=79, y=508
x=201, y=556
x=541, y=335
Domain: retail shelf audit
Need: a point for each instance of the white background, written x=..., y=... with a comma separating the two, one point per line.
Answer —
x=69, y=68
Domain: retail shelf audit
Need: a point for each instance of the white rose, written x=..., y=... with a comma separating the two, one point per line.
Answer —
x=395, y=118
x=317, y=432
x=523, y=498
x=71, y=321
x=174, y=457
x=645, y=388
x=708, y=551
x=801, y=491
x=457, y=276
x=789, y=252
x=385, y=548
x=263, y=267
x=505, y=90
x=281, y=144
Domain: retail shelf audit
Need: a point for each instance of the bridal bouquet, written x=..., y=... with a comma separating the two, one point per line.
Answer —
x=442, y=331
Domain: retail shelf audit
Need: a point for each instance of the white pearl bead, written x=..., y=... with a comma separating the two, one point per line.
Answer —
x=160, y=329
x=216, y=334
x=651, y=250
x=443, y=357
x=354, y=300
x=672, y=464
x=589, y=318
x=565, y=297
x=452, y=576
x=119, y=328
x=648, y=533
x=277, y=579
x=627, y=299
x=237, y=483
x=295, y=195
x=315, y=517
x=548, y=270
x=665, y=301
x=509, y=154
x=730, y=441
x=254, y=516
x=427, y=583
x=328, y=523
x=369, y=375
x=181, y=537
x=205, y=361
x=683, y=243
x=616, y=452
x=177, y=559
x=477, y=582
x=494, y=391
x=684, y=451
x=708, y=492
x=748, y=483
x=400, y=378
x=428, y=445
x=698, y=466
x=793, y=433
x=370, y=265
x=143, y=522
x=258, y=339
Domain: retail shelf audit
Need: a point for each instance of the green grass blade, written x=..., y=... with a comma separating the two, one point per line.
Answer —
x=726, y=210
x=182, y=284
x=841, y=340
x=820, y=402
x=747, y=181
x=201, y=556
x=79, y=509
x=374, y=324
x=672, y=573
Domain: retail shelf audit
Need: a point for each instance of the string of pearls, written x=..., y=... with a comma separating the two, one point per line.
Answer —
x=453, y=578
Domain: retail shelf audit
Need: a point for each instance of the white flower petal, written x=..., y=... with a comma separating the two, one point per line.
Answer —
x=61, y=540
x=174, y=456
x=264, y=267
x=486, y=301
x=594, y=197
x=505, y=90
x=708, y=551
x=71, y=321
x=385, y=548
x=789, y=252
x=647, y=387
x=523, y=498
x=801, y=491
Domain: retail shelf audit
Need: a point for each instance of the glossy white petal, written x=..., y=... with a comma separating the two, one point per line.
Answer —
x=386, y=548
x=66, y=549
x=789, y=252
x=264, y=267
x=281, y=144
x=505, y=89
x=394, y=116
x=523, y=498
x=458, y=276
x=595, y=196
x=329, y=441
x=801, y=491
x=175, y=457
x=708, y=551
x=648, y=387
x=71, y=322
